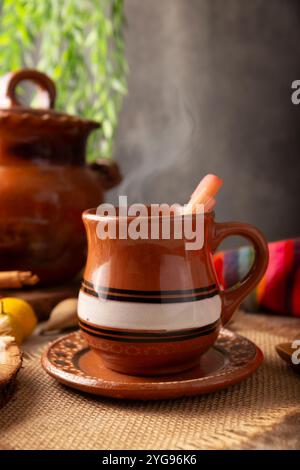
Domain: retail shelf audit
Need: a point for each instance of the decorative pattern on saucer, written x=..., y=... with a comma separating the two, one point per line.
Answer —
x=230, y=360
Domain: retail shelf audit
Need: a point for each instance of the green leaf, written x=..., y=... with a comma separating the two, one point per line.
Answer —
x=107, y=129
x=118, y=86
x=80, y=45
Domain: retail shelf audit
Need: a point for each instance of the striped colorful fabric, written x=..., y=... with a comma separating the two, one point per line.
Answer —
x=279, y=289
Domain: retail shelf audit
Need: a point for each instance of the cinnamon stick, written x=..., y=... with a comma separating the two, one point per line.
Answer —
x=204, y=194
x=17, y=279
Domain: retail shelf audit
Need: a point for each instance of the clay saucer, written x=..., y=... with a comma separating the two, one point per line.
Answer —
x=73, y=363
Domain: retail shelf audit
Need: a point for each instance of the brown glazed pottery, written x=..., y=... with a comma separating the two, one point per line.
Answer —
x=45, y=182
x=153, y=307
x=286, y=351
x=231, y=359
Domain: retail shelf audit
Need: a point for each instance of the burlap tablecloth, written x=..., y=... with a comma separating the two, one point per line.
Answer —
x=261, y=412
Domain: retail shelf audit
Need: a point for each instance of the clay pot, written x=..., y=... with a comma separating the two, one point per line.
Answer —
x=45, y=183
x=153, y=306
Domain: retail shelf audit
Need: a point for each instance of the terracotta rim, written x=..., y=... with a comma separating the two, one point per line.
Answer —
x=90, y=214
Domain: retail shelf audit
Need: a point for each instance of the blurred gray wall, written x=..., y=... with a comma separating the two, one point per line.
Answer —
x=210, y=91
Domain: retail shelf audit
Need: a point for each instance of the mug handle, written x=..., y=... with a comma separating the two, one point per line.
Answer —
x=108, y=171
x=233, y=296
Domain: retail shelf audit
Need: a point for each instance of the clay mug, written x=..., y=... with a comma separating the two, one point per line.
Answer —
x=152, y=307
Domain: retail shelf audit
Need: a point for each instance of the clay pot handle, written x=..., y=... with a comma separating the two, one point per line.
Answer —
x=8, y=84
x=233, y=296
x=108, y=171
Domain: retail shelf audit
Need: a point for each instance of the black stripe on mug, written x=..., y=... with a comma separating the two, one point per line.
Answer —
x=148, y=340
x=149, y=300
x=146, y=293
x=151, y=334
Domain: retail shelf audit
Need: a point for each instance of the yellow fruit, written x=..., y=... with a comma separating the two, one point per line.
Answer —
x=20, y=315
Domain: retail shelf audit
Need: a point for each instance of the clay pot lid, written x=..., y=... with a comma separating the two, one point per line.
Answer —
x=12, y=111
